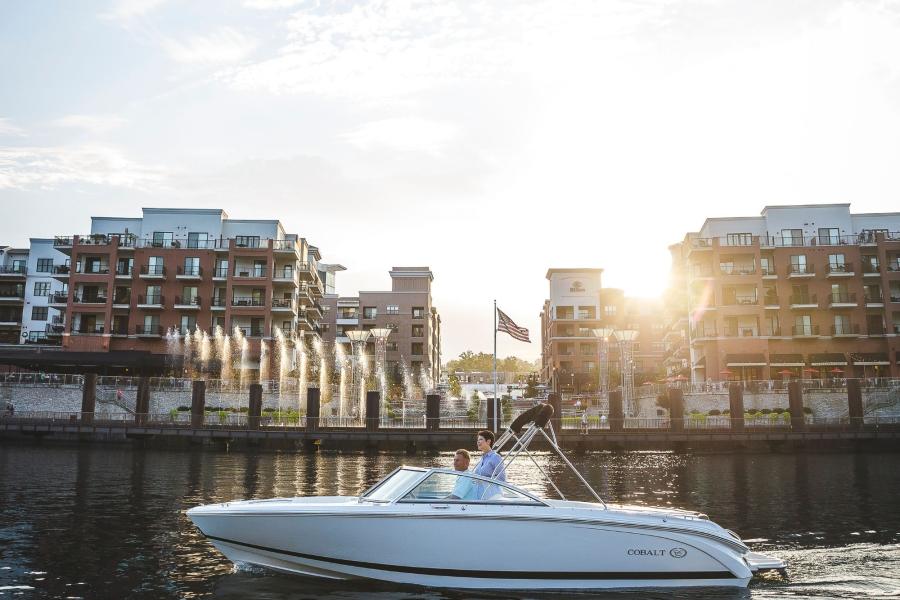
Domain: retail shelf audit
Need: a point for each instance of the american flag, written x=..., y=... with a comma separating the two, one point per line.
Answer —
x=506, y=324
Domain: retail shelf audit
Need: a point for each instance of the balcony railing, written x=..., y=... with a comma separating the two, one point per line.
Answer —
x=253, y=272
x=54, y=328
x=893, y=266
x=247, y=301
x=251, y=331
x=152, y=299
x=221, y=272
x=12, y=270
x=807, y=299
x=83, y=330
x=737, y=270
x=190, y=271
x=843, y=298
x=804, y=330
x=874, y=299
x=839, y=268
x=148, y=330
x=290, y=245
x=89, y=299
x=98, y=269
x=703, y=332
x=12, y=294
x=126, y=299
x=877, y=329
x=124, y=271
x=216, y=301
x=845, y=329
x=59, y=298
x=801, y=270
x=155, y=270
x=282, y=303
x=740, y=300
x=188, y=300
x=869, y=267
x=771, y=300
x=62, y=241
x=768, y=271
x=741, y=332
x=119, y=330
x=61, y=269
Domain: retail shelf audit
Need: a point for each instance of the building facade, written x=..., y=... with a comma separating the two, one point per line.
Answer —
x=407, y=310
x=13, y=275
x=130, y=280
x=570, y=352
x=801, y=290
x=42, y=324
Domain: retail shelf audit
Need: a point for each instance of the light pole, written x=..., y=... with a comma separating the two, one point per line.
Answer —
x=358, y=339
x=603, y=334
x=626, y=339
x=381, y=335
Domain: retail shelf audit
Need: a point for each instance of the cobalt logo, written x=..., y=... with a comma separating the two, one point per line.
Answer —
x=677, y=552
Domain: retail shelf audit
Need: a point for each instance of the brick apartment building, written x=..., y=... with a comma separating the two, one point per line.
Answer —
x=407, y=310
x=802, y=290
x=578, y=304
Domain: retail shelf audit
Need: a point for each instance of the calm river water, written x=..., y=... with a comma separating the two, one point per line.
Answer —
x=107, y=521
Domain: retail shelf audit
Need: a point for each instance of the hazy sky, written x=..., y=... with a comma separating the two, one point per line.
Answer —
x=488, y=140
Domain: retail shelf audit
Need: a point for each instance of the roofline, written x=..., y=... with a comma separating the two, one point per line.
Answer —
x=202, y=211
x=572, y=270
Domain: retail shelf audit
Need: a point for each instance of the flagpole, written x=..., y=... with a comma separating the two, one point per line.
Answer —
x=495, y=425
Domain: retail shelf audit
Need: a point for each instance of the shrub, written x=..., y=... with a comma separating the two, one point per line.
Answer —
x=714, y=412
x=807, y=410
x=184, y=408
x=727, y=411
x=766, y=411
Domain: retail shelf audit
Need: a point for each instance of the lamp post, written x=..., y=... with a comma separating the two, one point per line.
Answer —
x=626, y=339
x=358, y=339
x=381, y=335
x=603, y=334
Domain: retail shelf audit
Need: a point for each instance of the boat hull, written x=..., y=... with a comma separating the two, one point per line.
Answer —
x=459, y=546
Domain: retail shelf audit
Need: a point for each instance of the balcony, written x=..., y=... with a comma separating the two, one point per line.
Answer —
x=247, y=301
x=874, y=300
x=55, y=328
x=893, y=266
x=800, y=271
x=800, y=331
x=92, y=269
x=771, y=302
x=699, y=333
x=845, y=330
x=895, y=298
x=774, y=332
x=58, y=298
x=122, y=301
x=839, y=270
x=151, y=301
x=189, y=273
x=220, y=273
x=62, y=242
x=284, y=245
x=148, y=331
x=187, y=302
x=283, y=304
x=251, y=331
x=700, y=272
x=737, y=270
x=285, y=276
x=124, y=272
x=876, y=330
x=307, y=271
x=700, y=244
x=88, y=330
x=250, y=272
x=768, y=272
x=12, y=296
x=217, y=303
x=842, y=300
x=89, y=299
x=741, y=332
x=748, y=300
x=61, y=272
x=804, y=301
x=153, y=272
x=870, y=269
x=12, y=271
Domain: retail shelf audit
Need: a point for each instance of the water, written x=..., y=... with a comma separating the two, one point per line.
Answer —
x=107, y=521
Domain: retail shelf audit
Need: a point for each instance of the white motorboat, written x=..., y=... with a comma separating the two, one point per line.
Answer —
x=409, y=528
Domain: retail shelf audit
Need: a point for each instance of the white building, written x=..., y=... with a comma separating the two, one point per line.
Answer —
x=42, y=324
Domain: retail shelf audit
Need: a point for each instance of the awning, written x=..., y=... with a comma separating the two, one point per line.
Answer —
x=745, y=360
x=868, y=359
x=828, y=359
x=786, y=360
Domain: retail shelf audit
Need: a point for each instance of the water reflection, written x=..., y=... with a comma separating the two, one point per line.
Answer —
x=108, y=521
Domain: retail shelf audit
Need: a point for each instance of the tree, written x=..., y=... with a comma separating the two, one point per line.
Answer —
x=531, y=386
x=455, y=388
x=482, y=361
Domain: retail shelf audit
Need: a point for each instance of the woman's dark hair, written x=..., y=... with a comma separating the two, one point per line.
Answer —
x=488, y=435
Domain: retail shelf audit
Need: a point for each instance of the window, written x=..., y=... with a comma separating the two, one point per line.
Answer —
x=246, y=241
x=41, y=288
x=417, y=348
x=418, y=331
x=370, y=312
x=192, y=265
x=155, y=266
x=587, y=349
x=841, y=324
x=38, y=313
x=189, y=295
x=188, y=324
x=391, y=347
x=792, y=237
x=197, y=239
x=163, y=239
x=765, y=263
x=44, y=265
x=418, y=312
x=393, y=309
x=739, y=239
x=151, y=323
x=659, y=346
x=829, y=236
x=124, y=266
x=154, y=294
x=586, y=312
x=393, y=327
x=803, y=325
x=798, y=263
x=588, y=366
x=609, y=310
x=837, y=263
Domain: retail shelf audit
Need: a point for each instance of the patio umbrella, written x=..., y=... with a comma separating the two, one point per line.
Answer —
x=837, y=370
x=810, y=370
x=681, y=378
x=726, y=372
x=785, y=372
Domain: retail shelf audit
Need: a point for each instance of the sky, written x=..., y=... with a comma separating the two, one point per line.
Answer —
x=487, y=140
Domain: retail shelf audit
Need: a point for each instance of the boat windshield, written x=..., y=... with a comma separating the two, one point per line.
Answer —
x=392, y=485
x=462, y=487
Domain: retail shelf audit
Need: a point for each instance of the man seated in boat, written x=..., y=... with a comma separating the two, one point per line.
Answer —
x=491, y=465
x=462, y=490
